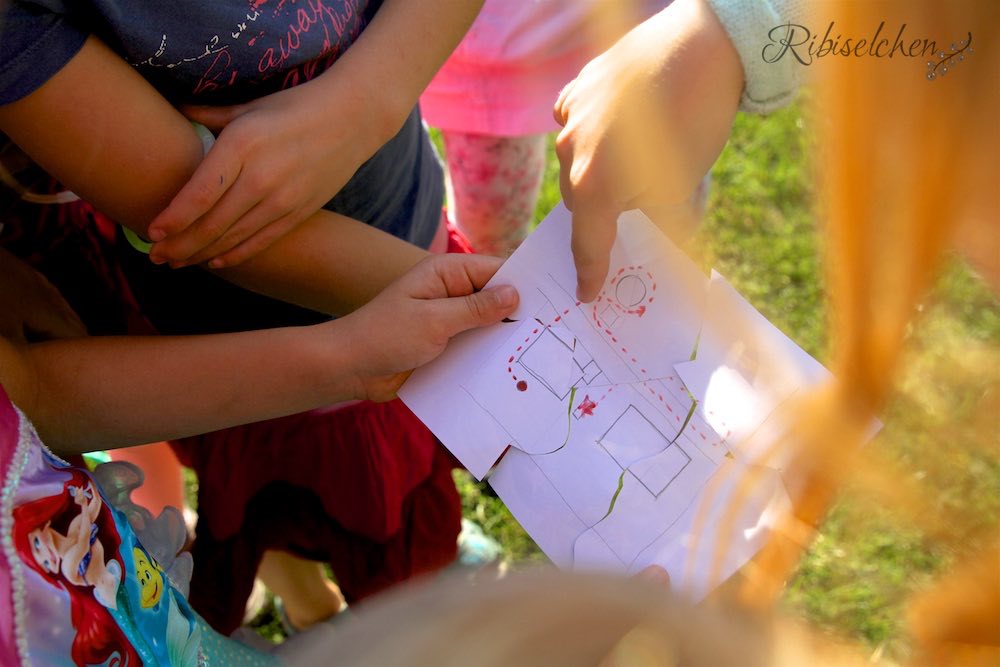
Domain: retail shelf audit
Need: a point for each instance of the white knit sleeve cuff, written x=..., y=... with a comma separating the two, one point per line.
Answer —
x=768, y=86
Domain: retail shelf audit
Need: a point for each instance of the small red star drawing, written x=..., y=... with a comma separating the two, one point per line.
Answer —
x=586, y=407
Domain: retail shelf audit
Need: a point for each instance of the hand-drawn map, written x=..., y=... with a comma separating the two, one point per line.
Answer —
x=600, y=424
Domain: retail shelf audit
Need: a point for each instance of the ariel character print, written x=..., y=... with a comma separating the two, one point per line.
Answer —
x=65, y=538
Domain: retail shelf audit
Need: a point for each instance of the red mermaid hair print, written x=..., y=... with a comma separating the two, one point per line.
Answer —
x=64, y=538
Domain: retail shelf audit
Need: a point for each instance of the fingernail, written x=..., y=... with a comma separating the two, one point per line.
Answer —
x=156, y=235
x=506, y=296
x=157, y=259
x=215, y=264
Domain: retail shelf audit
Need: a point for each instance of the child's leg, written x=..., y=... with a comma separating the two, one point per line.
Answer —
x=493, y=187
x=164, y=484
x=308, y=595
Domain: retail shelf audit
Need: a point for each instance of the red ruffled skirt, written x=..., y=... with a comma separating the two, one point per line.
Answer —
x=366, y=488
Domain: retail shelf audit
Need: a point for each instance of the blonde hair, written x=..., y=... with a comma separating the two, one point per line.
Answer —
x=908, y=168
x=556, y=619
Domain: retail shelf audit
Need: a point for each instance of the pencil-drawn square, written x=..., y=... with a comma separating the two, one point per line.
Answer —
x=657, y=472
x=632, y=438
x=550, y=360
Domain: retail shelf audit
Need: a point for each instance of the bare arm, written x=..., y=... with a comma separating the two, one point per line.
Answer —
x=130, y=151
x=91, y=393
x=329, y=263
x=88, y=393
x=78, y=546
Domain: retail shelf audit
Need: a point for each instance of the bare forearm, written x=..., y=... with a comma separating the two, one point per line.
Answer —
x=402, y=49
x=98, y=127
x=701, y=79
x=327, y=250
x=92, y=393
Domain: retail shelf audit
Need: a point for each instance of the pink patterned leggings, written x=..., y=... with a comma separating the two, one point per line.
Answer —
x=493, y=187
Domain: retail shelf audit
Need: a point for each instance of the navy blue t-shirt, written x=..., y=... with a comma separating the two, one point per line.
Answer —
x=227, y=52
x=222, y=52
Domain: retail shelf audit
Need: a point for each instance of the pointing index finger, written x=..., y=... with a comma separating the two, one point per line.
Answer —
x=594, y=231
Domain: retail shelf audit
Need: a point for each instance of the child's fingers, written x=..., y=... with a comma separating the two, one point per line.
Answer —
x=257, y=242
x=594, y=226
x=185, y=246
x=559, y=109
x=245, y=225
x=564, y=151
x=489, y=306
x=594, y=230
x=481, y=268
x=656, y=575
x=211, y=180
x=449, y=275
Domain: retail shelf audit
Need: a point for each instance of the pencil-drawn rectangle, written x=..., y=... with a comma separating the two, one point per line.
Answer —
x=657, y=472
x=550, y=360
x=632, y=438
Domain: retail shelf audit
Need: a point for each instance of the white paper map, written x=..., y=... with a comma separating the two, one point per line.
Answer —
x=597, y=427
